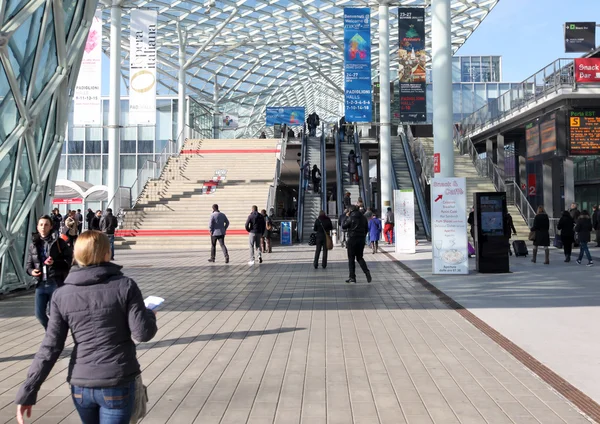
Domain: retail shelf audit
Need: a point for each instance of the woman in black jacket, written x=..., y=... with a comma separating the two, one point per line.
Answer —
x=584, y=228
x=541, y=227
x=104, y=310
x=567, y=234
x=322, y=226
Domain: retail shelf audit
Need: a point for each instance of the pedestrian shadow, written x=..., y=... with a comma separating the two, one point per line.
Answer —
x=64, y=354
x=236, y=335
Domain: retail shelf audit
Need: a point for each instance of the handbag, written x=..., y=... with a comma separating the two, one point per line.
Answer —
x=141, y=401
x=531, y=236
x=558, y=242
x=312, y=239
x=328, y=241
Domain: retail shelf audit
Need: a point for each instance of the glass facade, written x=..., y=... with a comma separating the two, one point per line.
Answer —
x=36, y=73
x=476, y=69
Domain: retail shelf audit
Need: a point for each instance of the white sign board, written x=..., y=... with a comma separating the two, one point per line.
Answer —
x=404, y=220
x=142, y=67
x=87, y=108
x=449, y=225
x=230, y=122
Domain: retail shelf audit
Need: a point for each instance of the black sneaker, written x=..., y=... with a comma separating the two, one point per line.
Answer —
x=260, y=259
x=350, y=280
x=226, y=260
x=591, y=263
x=578, y=261
x=211, y=260
x=369, y=278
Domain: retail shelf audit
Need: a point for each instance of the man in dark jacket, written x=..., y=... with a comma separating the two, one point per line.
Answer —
x=57, y=220
x=583, y=228
x=49, y=261
x=218, y=227
x=95, y=222
x=88, y=218
x=357, y=226
x=79, y=217
x=255, y=225
x=108, y=225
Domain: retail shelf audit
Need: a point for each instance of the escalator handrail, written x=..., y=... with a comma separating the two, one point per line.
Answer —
x=338, y=170
x=323, y=170
x=359, y=170
x=301, y=191
x=418, y=189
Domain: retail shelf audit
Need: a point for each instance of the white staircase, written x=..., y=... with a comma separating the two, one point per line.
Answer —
x=352, y=188
x=463, y=167
x=404, y=181
x=173, y=212
x=312, y=201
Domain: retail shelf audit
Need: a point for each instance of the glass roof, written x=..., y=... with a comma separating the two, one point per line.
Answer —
x=270, y=52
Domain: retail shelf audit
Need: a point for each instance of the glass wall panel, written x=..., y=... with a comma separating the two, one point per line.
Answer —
x=486, y=69
x=104, y=169
x=456, y=69
x=475, y=69
x=75, y=168
x=9, y=115
x=93, y=171
x=128, y=170
x=75, y=146
x=7, y=167
x=456, y=102
x=496, y=72
x=467, y=99
x=465, y=73
x=480, y=96
x=48, y=59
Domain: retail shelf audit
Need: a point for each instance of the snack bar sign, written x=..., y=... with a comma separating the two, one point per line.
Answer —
x=449, y=226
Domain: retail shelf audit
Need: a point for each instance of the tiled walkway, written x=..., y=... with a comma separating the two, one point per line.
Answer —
x=284, y=343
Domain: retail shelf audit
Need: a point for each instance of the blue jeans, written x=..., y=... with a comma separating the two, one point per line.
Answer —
x=43, y=296
x=111, y=239
x=104, y=405
x=583, y=248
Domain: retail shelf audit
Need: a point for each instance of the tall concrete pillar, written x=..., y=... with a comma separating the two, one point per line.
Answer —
x=385, y=142
x=441, y=48
x=547, y=189
x=569, y=183
x=364, y=160
x=114, y=107
x=557, y=200
x=500, y=158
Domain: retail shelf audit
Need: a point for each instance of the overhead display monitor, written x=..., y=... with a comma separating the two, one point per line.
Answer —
x=584, y=132
x=292, y=116
x=532, y=139
x=580, y=37
x=547, y=133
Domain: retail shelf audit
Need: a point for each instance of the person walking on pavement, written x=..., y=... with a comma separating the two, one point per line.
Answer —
x=508, y=227
x=596, y=223
x=352, y=167
x=541, y=227
x=357, y=227
x=583, y=228
x=374, y=232
x=388, y=228
x=108, y=225
x=567, y=233
x=305, y=169
x=316, y=178
x=341, y=221
x=347, y=200
x=218, y=227
x=49, y=260
x=104, y=311
x=72, y=224
x=95, y=222
x=265, y=241
x=322, y=228
x=88, y=218
x=79, y=217
x=255, y=225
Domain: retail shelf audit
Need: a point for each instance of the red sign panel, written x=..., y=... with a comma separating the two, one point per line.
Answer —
x=436, y=163
x=587, y=70
x=59, y=201
x=531, y=182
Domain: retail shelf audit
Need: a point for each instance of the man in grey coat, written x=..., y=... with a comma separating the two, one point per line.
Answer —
x=218, y=226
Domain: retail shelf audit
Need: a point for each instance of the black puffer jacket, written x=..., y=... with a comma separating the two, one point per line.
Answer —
x=583, y=228
x=57, y=249
x=256, y=223
x=356, y=224
x=104, y=310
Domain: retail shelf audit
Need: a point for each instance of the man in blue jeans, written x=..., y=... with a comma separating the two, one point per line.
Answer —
x=49, y=260
x=108, y=225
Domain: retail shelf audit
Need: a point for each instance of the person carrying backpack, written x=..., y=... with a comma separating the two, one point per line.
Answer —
x=265, y=241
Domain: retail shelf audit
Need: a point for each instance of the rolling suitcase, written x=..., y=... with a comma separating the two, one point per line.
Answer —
x=520, y=248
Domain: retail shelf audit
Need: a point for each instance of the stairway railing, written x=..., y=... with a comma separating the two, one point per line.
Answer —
x=280, y=158
x=418, y=189
x=418, y=152
x=339, y=172
x=323, y=169
x=359, y=170
x=301, y=191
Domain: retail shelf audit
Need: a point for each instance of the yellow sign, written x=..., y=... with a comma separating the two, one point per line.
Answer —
x=575, y=121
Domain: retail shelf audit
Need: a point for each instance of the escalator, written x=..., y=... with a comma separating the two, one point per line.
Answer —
x=344, y=185
x=309, y=202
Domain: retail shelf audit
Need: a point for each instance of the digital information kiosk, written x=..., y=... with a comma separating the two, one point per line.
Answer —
x=491, y=244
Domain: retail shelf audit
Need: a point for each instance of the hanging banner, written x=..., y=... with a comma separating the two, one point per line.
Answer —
x=292, y=116
x=142, y=67
x=404, y=220
x=449, y=225
x=230, y=121
x=87, y=106
x=580, y=37
x=357, y=64
x=412, y=65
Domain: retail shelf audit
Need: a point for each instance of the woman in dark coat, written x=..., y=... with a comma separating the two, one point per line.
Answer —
x=541, y=227
x=322, y=226
x=584, y=228
x=567, y=234
x=352, y=166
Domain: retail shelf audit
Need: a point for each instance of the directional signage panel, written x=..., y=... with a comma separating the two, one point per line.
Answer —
x=357, y=64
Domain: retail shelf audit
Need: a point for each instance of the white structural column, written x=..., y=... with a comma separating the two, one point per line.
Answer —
x=385, y=143
x=217, y=115
x=114, y=106
x=181, y=102
x=441, y=46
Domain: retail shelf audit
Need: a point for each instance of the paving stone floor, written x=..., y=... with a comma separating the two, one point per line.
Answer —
x=284, y=343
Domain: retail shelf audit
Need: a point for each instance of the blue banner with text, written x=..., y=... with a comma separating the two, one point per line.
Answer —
x=357, y=64
x=291, y=116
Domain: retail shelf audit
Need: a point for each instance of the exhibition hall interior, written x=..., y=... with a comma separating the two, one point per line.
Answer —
x=289, y=212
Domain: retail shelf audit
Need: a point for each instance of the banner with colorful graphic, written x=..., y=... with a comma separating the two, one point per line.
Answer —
x=291, y=116
x=87, y=106
x=357, y=64
x=142, y=67
x=412, y=64
x=230, y=121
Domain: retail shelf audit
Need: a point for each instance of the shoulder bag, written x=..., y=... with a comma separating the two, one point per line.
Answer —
x=328, y=241
x=140, y=402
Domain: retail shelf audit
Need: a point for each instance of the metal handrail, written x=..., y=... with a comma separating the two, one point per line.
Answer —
x=301, y=191
x=281, y=157
x=323, y=170
x=418, y=189
x=359, y=170
x=418, y=152
x=339, y=173
x=551, y=78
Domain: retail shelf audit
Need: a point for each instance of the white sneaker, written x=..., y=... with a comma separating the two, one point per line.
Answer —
x=251, y=263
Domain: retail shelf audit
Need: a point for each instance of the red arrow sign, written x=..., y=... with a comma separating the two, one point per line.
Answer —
x=438, y=198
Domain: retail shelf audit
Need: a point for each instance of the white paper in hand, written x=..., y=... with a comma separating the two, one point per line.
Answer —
x=153, y=302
